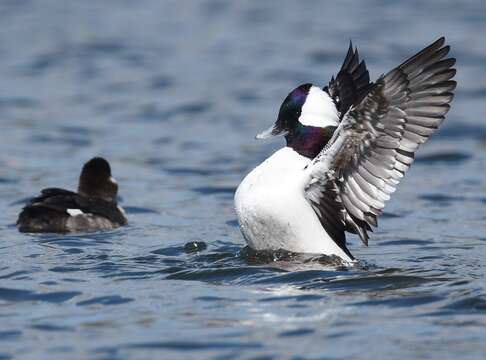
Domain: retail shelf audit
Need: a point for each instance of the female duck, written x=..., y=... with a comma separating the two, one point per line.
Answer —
x=93, y=207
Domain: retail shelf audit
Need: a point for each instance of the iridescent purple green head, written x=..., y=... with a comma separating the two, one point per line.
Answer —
x=307, y=118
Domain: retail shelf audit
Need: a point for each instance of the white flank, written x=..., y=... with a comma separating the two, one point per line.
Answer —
x=74, y=212
x=319, y=109
x=273, y=212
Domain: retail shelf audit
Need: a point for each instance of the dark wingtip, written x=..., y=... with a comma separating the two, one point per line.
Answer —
x=349, y=55
x=436, y=48
x=453, y=85
x=363, y=235
x=437, y=43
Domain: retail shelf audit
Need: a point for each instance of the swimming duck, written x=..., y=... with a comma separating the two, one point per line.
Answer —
x=348, y=145
x=93, y=207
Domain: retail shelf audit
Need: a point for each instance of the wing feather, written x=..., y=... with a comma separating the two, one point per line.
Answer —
x=351, y=84
x=61, y=201
x=375, y=143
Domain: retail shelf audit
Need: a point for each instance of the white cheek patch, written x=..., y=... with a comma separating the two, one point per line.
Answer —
x=319, y=109
x=74, y=212
x=112, y=180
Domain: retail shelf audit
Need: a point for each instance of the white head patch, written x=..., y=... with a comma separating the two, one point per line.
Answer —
x=74, y=212
x=319, y=109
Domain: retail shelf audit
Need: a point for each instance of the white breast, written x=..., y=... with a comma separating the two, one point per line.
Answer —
x=273, y=212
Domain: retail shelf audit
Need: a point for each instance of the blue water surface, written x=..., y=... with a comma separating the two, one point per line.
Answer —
x=172, y=93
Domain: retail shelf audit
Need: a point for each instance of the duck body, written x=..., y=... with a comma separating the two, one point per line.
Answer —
x=273, y=212
x=63, y=211
x=348, y=145
x=93, y=207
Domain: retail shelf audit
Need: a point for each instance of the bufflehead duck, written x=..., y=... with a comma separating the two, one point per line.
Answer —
x=347, y=147
x=93, y=207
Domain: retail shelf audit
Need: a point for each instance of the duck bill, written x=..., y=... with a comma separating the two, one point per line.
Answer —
x=271, y=132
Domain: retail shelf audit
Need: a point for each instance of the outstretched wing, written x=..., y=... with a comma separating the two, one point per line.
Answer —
x=376, y=141
x=351, y=84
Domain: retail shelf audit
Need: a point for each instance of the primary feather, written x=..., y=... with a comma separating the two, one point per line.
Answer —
x=351, y=84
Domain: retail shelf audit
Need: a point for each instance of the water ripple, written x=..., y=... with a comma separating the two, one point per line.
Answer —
x=172, y=93
x=16, y=295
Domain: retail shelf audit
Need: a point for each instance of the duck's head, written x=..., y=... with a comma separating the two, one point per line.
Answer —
x=96, y=180
x=307, y=118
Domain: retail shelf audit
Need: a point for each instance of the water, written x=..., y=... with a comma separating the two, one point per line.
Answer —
x=172, y=95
